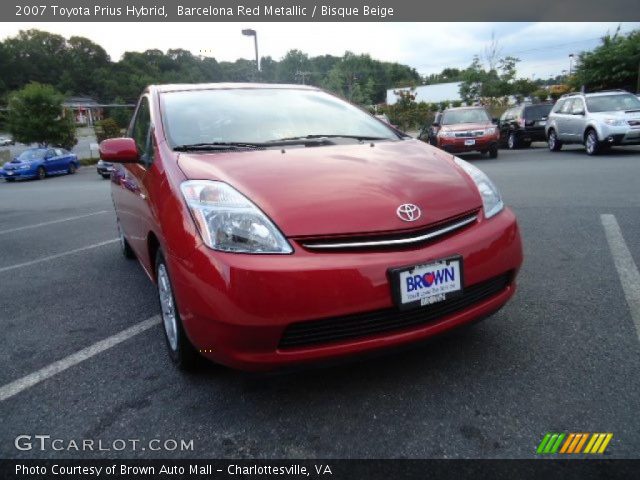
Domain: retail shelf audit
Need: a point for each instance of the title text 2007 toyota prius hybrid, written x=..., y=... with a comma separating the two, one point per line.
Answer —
x=284, y=225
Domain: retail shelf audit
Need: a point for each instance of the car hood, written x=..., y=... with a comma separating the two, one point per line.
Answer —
x=462, y=127
x=338, y=190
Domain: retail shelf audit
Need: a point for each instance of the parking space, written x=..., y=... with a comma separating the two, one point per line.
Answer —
x=563, y=355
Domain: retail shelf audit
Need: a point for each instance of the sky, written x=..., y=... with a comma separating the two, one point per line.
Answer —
x=543, y=47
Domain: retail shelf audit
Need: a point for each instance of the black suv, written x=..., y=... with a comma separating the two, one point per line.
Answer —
x=523, y=124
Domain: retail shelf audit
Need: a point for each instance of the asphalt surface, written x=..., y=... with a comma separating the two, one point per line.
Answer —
x=562, y=356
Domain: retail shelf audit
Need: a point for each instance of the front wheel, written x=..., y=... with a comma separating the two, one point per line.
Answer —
x=41, y=173
x=554, y=144
x=493, y=151
x=591, y=143
x=72, y=168
x=9, y=179
x=181, y=351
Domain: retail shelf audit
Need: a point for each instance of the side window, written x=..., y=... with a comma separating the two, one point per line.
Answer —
x=558, y=107
x=140, y=131
x=505, y=116
x=59, y=152
x=50, y=153
x=568, y=106
x=577, y=106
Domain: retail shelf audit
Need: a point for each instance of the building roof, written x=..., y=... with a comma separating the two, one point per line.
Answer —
x=440, y=92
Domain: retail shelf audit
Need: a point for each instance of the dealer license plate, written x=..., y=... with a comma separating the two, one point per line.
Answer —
x=426, y=284
x=470, y=142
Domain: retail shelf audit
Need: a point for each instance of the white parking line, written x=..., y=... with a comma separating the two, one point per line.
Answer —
x=626, y=267
x=57, y=255
x=28, y=381
x=52, y=222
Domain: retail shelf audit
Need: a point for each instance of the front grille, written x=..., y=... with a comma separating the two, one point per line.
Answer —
x=402, y=239
x=340, y=329
x=468, y=134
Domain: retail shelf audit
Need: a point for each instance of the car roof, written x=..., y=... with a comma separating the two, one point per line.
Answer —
x=184, y=87
x=473, y=107
x=596, y=94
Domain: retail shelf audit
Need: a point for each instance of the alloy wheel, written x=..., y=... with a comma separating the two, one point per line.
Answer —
x=168, y=307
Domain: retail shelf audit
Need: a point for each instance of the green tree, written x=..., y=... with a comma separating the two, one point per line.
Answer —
x=613, y=64
x=36, y=115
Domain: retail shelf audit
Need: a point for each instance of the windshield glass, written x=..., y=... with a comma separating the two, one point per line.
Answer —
x=31, y=155
x=537, y=112
x=247, y=115
x=613, y=103
x=474, y=115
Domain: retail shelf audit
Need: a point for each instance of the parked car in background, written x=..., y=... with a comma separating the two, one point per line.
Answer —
x=284, y=225
x=104, y=168
x=39, y=163
x=596, y=120
x=464, y=129
x=523, y=124
x=5, y=141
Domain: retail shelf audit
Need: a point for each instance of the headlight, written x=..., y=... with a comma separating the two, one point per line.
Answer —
x=100, y=162
x=26, y=166
x=615, y=122
x=228, y=221
x=490, y=131
x=491, y=199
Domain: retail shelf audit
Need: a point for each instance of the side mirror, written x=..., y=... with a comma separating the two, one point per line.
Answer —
x=119, y=150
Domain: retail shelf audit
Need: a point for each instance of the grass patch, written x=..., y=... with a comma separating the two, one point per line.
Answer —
x=88, y=161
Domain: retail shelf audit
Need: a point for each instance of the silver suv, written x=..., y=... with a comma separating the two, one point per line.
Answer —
x=596, y=120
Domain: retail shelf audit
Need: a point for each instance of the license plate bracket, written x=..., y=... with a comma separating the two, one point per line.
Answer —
x=427, y=283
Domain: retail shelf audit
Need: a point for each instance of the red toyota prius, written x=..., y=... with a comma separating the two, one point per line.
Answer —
x=284, y=225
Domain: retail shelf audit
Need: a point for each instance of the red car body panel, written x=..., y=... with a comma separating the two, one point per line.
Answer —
x=358, y=186
x=235, y=307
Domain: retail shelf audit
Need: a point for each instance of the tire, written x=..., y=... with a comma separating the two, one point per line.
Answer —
x=526, y=144
x=105, y=177
x=512, y=141
x=591, y=143
x=125, y=248
x=181, y=351
x=493, y=151
x=41, y=173
x=552, y=141
x=72, y=168
x=9, y=179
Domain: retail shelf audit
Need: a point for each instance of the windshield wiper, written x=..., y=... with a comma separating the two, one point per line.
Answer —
x=217, y=146
x=320, y=136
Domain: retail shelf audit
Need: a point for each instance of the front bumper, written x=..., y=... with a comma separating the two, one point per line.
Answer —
x=235, y=308
x=18, y=174
x=622, y=135
x=458, y=145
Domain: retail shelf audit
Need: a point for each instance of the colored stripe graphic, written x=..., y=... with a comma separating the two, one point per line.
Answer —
x=572, y=443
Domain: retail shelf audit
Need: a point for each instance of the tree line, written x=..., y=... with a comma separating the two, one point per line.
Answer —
x=78, y=66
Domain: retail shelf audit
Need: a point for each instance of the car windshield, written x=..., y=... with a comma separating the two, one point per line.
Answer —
x=613, y=103
x=261, y=115
x=30, y=155
x=474, y=115
x=537, y=112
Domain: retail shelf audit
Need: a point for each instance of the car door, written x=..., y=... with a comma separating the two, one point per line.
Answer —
x=503, y=124
x=63, y=158
x=132, y=201
x=51, y=161
x=576, y=120
x=563, y=124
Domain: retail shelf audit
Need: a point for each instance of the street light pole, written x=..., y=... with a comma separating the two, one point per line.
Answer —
x=570, y=63
x=252, y=33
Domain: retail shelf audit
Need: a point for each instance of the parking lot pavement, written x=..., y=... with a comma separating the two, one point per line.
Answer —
x=562, y=356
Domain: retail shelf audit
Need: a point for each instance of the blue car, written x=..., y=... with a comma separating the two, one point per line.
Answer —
x=39, y=163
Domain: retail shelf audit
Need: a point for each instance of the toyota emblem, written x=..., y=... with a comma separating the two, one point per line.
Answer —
x=408, y=212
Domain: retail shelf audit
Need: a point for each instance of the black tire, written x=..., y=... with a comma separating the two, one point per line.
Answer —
x=512, y=141
x=72, y=168
x=552, y=141
x=9, y=179
x=181, y=351
x=105, y=177
x=125, y=248
x=525, y=144
x=592, y=145
x=493, y=151
x=42, y=173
